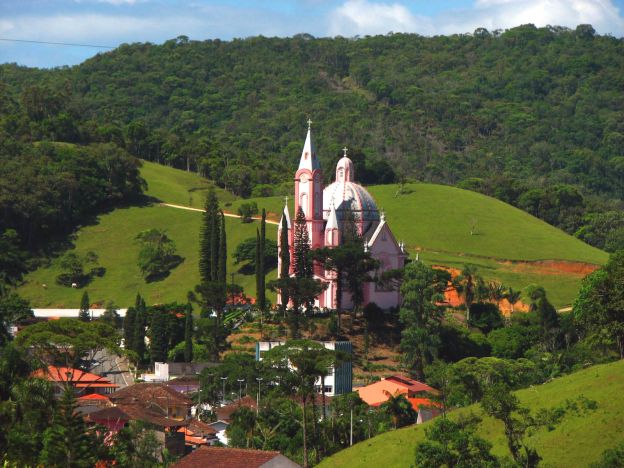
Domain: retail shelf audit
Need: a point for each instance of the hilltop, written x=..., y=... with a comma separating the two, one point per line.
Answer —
x=578, y=441
x=435, y=222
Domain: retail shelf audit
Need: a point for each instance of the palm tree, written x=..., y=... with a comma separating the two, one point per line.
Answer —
x=512, y=297
x=399, y=408
x=496, y=291
x=467, y=286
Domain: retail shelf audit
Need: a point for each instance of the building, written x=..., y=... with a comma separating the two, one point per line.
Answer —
x=326, y=210
x=166, y=371
x=337, y=381
x=223, y=457
x=417, y=393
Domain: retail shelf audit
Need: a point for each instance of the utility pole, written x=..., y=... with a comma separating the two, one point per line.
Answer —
x=240, y=387
x=223, y=379
x=259, y=379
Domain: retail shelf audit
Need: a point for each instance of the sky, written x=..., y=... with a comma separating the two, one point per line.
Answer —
x=114, y=22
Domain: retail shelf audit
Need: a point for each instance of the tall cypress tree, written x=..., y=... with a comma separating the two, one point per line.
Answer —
x=262, y=277
x=301, y=248
x=208, y=240
x=84, y=308
x=284, y=259
x=159, y=336
x=222, y=264
x=188, y=334
x=257, y=266
x=128, y=328
x=140, y=321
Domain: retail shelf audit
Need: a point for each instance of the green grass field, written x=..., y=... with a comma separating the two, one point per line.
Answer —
x=578, y=441
x=433, y=220
x=113, y=240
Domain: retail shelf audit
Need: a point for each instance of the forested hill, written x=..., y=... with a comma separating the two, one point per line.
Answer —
x=533, y=116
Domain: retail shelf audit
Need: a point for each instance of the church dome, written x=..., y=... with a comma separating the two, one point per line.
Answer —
x=346, y=196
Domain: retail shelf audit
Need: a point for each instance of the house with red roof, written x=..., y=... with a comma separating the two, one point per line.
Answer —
x=84, y=383
x=417, y=393
x=224, y=457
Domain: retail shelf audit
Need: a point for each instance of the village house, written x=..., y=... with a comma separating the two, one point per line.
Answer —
x=224, y=457
x=83, y=383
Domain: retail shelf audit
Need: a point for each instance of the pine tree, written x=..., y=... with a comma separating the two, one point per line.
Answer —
x=84, y=308
x=257, y=266
x=66, y=442
x=128, y=328
x=188, y=334
x=208, y=244
x=284, y=259
x=301, y=241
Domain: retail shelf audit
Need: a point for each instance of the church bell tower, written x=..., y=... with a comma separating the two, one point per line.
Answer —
x=309, y=190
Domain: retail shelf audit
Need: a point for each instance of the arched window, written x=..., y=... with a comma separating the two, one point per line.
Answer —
x=303, y=203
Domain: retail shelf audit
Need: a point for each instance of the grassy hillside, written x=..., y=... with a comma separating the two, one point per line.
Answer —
x=434, y=220
x=578, y=441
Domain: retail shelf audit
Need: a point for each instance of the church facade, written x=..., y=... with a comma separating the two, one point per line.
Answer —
x=326, y=209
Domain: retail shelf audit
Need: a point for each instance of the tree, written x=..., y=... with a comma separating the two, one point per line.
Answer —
x=85, y=305
x=222, y=257
x=454, y=444
x=284, y=254
x=247, y=210
x=599, y=307
x=399, y=409
x=302, y=362
x=73, y=266
x=246, y=253
x=188, y=334
x=301, y=248
x=140, y=322
x=209, y=238
x=512, y=297
x=12, y=258
x=128, y=328
x=467, y=285
x=547, y=315
x=68, y=342
x=498, y=402
x=13, y=309
x=111, y=316
x=158, y=254
x=159, y=335
x=260, y=265
x=423, y=288
x=66, y=442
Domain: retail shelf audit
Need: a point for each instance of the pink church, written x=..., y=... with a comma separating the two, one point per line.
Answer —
x=325, y=210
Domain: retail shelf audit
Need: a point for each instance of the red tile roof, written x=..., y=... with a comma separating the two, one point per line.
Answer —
x=143, y=393
x=377, y=393
x=223, y=457
x=75, y=377
x=225, y=412
x=93, y=397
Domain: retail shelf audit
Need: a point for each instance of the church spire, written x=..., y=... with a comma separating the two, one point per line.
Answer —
x=308, y=155
x=332, y=220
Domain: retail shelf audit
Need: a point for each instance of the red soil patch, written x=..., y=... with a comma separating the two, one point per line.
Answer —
x=553, y=267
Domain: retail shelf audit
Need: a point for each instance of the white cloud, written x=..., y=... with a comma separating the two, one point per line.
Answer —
x=364, y=17
x=360, y=17
x=502, y=14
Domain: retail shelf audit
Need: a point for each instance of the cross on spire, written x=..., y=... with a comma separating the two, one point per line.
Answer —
x=286, y=200
x=345, y=149
x=309, y=123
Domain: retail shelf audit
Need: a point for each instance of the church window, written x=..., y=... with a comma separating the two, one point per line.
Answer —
x=340, y=174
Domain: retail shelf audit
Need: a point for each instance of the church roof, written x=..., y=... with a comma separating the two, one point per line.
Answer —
x=308, y=155
x=287, y=215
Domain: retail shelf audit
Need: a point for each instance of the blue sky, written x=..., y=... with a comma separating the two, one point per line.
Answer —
x=113, y=22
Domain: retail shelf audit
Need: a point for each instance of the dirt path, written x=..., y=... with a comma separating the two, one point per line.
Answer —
x=229, y=215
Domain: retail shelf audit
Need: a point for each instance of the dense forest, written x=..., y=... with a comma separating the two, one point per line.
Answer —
x=532, y=116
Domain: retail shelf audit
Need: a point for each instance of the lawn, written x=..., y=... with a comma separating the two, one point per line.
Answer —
x=112, y=238
x=578, y=441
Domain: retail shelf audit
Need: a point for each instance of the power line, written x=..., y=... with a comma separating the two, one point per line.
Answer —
x=57, y=43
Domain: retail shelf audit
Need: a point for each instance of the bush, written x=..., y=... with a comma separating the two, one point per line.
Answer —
x=512, y=342
x=485, y=316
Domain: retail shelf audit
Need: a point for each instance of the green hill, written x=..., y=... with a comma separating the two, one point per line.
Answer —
x=578, y=441
x=432, y=218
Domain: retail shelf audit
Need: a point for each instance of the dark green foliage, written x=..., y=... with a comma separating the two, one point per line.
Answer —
x=85, y=305
x=66, y=442
x=136, y=445
x=513, y=342
x=12, y=264
x=400, y=410
x=188, y=334
x=111, y=316
x=485, y=316
x=246, y=253
x=599, y=307
x=13, y=309
x=459, y=343
x=158, y=254
x=247, y=210
x=73, y=266
x=140, y=323
x=159, y=335
x=129, y=323
x=222, y=257
x=261, y=264
x=422, y=289
x=603, y=230
x=284, y=253
x=208, y=237
x=301, y=247
x=454, y=444
x=611, y=458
